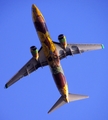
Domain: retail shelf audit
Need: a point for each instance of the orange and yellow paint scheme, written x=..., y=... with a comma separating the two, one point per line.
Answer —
x=50, y=52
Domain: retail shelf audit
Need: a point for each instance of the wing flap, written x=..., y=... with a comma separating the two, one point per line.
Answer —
x=28, y=68
x=73, y=49
x=85, y=47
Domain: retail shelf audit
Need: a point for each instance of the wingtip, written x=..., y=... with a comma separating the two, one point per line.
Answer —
x=102, y=46
x=48, y=112
x=87, y=97
x=6, y=86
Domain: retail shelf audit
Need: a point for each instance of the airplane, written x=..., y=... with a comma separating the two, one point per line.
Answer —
x=50, y=53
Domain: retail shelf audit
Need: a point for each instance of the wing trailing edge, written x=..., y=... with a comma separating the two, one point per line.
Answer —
x=75, y=48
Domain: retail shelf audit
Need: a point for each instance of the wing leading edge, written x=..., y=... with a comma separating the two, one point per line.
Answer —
x=73, y=49
x=33, y=65
x=28, y=68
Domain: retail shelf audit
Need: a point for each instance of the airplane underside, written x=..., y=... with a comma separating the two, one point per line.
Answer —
x=50, y=54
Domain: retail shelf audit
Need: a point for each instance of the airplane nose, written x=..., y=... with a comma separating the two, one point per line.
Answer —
x=35, y=12
x=33, y=5
x=33, y=8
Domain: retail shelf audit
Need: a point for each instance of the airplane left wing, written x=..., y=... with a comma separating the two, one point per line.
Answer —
x=28, y=68
x=73, y=49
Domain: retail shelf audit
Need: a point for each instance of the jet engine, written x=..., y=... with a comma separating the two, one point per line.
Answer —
x=62, y=40
x=34, y=52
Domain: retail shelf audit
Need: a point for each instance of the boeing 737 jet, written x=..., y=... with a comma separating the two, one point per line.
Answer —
x=50, y=53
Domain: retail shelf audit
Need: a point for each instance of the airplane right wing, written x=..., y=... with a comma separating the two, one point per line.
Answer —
x=73, y=49
x=28, y=68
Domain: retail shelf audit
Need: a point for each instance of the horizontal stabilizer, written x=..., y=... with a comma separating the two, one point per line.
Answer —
x=74, y=97
x=59, y=103
x=61, y=100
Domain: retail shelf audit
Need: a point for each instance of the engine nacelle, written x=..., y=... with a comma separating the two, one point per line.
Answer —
x=34, y=52
x=62, y=40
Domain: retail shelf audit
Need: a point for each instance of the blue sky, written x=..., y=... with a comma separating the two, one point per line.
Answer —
x=31, y=97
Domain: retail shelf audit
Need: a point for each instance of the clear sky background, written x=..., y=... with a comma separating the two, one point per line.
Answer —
x=30, y=98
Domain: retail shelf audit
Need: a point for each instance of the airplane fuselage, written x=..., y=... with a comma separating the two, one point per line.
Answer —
x=50, y=52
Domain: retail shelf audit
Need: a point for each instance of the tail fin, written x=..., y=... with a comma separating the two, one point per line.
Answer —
x=61, y=101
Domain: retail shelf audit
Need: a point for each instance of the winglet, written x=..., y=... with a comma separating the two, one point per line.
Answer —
x=102, y=46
